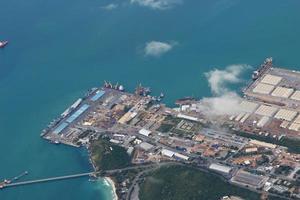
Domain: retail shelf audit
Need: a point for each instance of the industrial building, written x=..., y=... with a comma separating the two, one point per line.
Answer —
x=220, y=168
x=146, y=146
x=294, y=127
x=285, y=114
x=271, y=79
x=263, y=121
x=187, y=117
x=98, y=95
x=282, y=92
x=296, y=95
x=168, y=153
x=248, y=179
x=181, y=156
x=144, y=132
x=263, y=144
x=265, y=110
x=263, y=88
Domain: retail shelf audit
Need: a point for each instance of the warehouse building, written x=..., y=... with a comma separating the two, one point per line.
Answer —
x=271, y=79
x=263, y=144
x=239, y=117
x=282, y=92
x=287, y=115
x=187, y=117
x=144, y=132
x=297, y=120
x=168, y=153
x=248, y=179
x=296, y=95
x=284, y=124
x=244, y=118
x=180, y=156
x=265, y=110
x=146, y=146
x=294, y=127
x=220, y=168
x=263, y=121
x=263, y=88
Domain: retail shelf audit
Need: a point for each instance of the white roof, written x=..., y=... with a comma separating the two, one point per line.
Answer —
x=239, y=117
x=146, y=146
x=282, y=92
x=296, y=95
x=181, y=156
x=297, y=120
x=220, y=168
x=294, y=126
x=284, y=124
x=248, y=106
x=264, y=144
x=244, y=118
x=114, y=141
x=187, y=117
x=166, y=152
x=144, y=132
x=132, y=115
x=264, y=110
x=271, y=79
x=262, y=122
x=288, y=115
x=263, y=88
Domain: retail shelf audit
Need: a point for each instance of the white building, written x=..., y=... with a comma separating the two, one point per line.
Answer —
x=168, y=153
x=220, y=168
x=145, y=132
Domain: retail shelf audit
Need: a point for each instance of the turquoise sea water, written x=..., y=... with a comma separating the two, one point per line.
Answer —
x=59, y=49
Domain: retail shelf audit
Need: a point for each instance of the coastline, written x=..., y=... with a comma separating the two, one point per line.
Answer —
x=113, y=186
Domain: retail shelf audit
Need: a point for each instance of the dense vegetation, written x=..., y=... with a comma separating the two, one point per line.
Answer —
x=180, y=182
x=168, y=124
x=108, y=156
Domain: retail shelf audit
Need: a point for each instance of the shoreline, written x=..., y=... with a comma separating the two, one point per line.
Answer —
x=112, y=184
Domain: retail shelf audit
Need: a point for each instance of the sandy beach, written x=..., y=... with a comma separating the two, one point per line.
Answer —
x=111, y=182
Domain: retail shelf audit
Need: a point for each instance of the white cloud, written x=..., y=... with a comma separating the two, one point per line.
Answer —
x=226, y=104
x=111, y=6
x=224, y=101
x=218, y=79
x=157, y=4
x=156, y=48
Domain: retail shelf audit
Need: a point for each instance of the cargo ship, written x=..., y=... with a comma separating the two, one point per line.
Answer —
x=268, y=63
x=3, y=44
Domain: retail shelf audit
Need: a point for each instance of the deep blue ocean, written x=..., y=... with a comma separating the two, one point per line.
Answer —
x=60, y=48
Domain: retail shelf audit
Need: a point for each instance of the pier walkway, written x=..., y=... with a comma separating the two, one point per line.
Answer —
x=103, y=173
x=49, y=179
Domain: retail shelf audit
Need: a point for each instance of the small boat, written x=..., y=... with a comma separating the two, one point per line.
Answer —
x=3, y=44
x=56, y=142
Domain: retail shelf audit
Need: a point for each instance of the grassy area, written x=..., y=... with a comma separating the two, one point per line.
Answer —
x=168, y=124
x=293, y=145
x=164, y=128
x=180, y=182
x=108, y=156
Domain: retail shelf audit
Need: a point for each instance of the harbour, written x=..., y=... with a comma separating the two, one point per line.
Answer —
x=49, y=64
x=140, y=123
